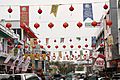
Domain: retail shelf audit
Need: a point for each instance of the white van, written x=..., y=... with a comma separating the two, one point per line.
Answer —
x=22, y=76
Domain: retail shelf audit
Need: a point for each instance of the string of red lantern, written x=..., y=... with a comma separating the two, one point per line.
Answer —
x=65, y=25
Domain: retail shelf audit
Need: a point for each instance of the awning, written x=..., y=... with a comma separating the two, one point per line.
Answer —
x=4, y=34
x=30, y=32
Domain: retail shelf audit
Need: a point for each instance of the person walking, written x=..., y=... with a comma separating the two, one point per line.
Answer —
x=40, y=74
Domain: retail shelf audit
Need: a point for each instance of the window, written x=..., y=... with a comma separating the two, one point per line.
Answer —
x=33, y=78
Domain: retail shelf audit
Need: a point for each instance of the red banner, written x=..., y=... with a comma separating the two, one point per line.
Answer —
x=24, y=15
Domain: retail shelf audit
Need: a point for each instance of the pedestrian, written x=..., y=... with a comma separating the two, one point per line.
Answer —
x=40, y=74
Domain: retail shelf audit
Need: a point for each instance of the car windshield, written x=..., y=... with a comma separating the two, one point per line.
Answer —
x=32, y=78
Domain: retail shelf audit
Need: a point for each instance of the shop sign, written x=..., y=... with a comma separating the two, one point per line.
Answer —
x=99, y=62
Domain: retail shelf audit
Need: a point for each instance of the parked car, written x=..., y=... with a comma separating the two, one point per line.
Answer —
x=23, y=76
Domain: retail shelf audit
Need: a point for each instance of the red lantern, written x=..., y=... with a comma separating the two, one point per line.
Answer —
x=36, y=25
x=102, y=39
x=64, y=46
x=65, y=25
x=50, y=25
x=79, y=24
x=94, y=23
x=93, y=45
x=39, y=41
x=35, y=55
x=19, y=46
x=9, y=40
x=40, y=11
x=73, y=56
x=101, y=45
x=71, y=8
x=85, y=39
x=8, y=25
x=56, y=46
x=66, y=55
x=78, y=55
x=110, y=45
x=48, y=46
x=24, y=40
x=11, y=46
x=79, y=46
x=70, y=40
x=105, y=6
x=71, y=46
x=108, y=22
x=22, y=26
x=101, y=56
x=41, y=46
x=26, y=46
x=10, y=10
x=35, y=42
x=86, y=45
x=54, y=40
x=33, y=47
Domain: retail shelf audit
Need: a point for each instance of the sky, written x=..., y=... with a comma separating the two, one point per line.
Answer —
x=63, y=15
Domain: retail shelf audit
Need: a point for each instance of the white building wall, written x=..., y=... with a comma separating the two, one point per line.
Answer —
x=118, y=12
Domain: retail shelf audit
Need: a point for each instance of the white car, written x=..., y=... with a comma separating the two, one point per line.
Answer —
x=24, y=76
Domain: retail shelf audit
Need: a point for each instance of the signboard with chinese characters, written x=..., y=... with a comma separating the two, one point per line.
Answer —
x=99, y=62
x=24, y=15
